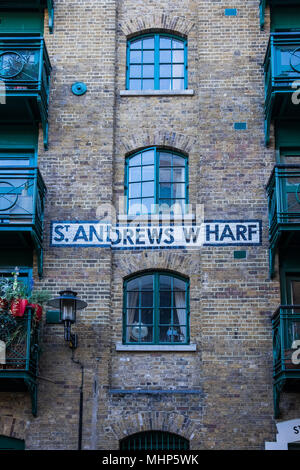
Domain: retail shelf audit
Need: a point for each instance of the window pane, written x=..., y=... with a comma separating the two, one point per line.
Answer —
x=147, y=316
x=177, y=44
x=133, y=285
x=148, y=57
x=148, y=71
x=148, y=84
x=148, y=173
x=165, y=71
x=135, y=190
x=132, y=315
x=148, y=189
x=165, y=282
x=165, y=190
x=179, y=284
x=178, y=161
x=179, y=175
x=147, y=203
x=136, y=44
x=178, y=70
x=147, y=299
x=146, y=282
x=165, y=298
x=178, y=84
x=178, y=190
x=135, y=71
x=165, y=84
x=148, y=157
x=148, y=43
x=165, y=174
x=165, y=316
x=165, y=43
x=134, y=206
x=165, y=159
x=136, y=160
x=135, y=85
x=165, y=57
x=135, y=57
x=178, y=56
x=135, y=174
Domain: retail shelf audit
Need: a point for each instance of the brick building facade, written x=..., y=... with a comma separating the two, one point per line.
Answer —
x=212, y=385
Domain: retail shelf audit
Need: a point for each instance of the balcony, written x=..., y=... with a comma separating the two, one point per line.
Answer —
x=282, y=78
x=19, y=353
x=263, y=4
x=32, y=5
x=283, y=191
x=22, y=200
x=286, y=358
x=24, y=81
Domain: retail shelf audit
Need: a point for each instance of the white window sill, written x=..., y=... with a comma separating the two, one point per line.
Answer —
x=156, y=92
x=150, y=347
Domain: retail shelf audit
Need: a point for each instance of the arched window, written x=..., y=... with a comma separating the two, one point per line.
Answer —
x=156, y=309
x=158, y=177
x=157, y=62
x=154, y=440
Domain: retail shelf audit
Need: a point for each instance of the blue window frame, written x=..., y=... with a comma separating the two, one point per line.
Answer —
x=156, y=62
x=156, y=309
x=158, y=177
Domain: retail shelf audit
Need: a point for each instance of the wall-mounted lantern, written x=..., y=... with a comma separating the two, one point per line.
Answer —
x=68, y=304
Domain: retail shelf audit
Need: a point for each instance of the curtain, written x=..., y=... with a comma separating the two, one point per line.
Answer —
x=132, y=304
x=180, y=304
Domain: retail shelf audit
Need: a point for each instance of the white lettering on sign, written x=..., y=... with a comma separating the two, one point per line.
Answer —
x=2, y=352
x=296, y=354
x=155, y=236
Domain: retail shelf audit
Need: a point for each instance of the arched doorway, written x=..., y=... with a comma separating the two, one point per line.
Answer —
x=154, y=440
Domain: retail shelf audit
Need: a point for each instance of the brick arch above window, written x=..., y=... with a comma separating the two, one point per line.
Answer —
x=160, y=22
x=160, y=138
x=154, y=420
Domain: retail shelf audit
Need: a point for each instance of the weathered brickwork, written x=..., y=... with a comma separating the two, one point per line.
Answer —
x=231, y=300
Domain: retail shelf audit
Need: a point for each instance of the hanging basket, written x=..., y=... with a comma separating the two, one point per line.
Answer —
x=18, y=307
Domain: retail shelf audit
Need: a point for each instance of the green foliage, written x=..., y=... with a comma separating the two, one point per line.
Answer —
x=39, y=297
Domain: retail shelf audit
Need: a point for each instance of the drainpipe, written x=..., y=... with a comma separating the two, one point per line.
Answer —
x=80, y=402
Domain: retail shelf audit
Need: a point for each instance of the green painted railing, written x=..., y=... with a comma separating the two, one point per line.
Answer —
x=286, y=347
x=282, y=76
x=286, y=332
x=22, y=199
x=283, y=191
x=19, y=363
x=22, y=202
x=31, y=4
x=25, y=73
x=263, y=4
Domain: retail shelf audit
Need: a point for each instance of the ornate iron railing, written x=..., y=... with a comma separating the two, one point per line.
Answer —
x=25, y=72
x=22, y=199
x=286, y=339
x=19, y=344
x=282, y=74
x=283, y=191
x=21, y=338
